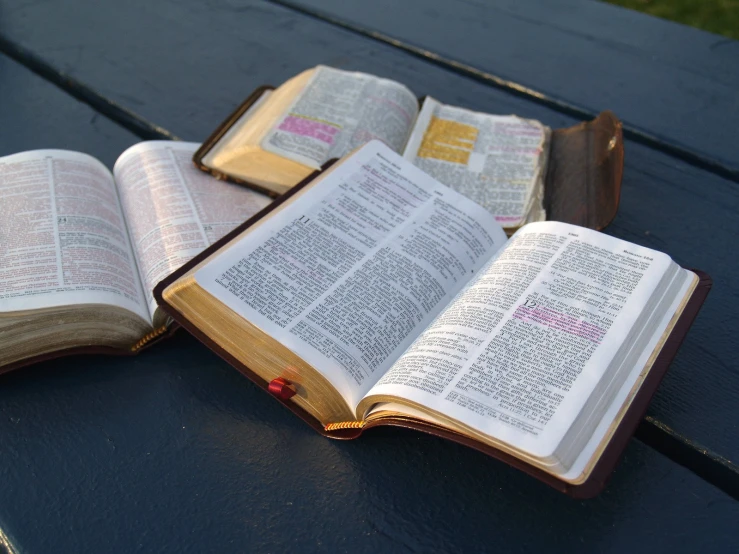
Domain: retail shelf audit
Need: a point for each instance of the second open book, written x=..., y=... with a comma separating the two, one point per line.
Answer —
x=379, y=295
x=519, y=169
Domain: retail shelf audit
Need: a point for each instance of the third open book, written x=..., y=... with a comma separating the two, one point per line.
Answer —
x=380, y=296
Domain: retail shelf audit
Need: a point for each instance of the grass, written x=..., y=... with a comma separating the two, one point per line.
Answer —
x=717, y=16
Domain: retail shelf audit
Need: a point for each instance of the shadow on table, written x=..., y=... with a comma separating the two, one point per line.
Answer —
x=174, y=446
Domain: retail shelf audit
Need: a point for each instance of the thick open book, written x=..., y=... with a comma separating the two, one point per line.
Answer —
x=82, y=249
x=518, y=169
x=377, y=295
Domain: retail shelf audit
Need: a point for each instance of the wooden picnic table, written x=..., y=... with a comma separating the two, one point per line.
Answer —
x=174, y=451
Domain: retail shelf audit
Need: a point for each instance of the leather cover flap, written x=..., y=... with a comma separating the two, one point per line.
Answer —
x=583, y=181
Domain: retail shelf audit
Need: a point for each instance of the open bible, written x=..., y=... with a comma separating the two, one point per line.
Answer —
x=82, y=249
x=373, y=294
x=518, y=169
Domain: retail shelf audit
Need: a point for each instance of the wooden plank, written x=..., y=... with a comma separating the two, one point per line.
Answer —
x=137, y=65
x=147, y=63
x=671, y=206
x=35, y=114
x=665, y=80
x=186, y=66
x=174, y=451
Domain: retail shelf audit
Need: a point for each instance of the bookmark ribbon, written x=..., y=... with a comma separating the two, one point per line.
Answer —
x=281, y=388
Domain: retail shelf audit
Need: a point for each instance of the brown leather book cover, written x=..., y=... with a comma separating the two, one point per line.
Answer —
x=583, y=181
x=613, y=450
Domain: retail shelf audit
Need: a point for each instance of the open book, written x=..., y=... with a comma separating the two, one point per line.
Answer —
x=377, y=295
x=82, y=249
x=276, y=138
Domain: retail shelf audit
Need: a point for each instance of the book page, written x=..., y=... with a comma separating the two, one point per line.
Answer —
x=351, y=272
x=174, y=211
x=496, y=161
x=339, y=111
x=63, y=239
x=525, y=344
x=628, y=389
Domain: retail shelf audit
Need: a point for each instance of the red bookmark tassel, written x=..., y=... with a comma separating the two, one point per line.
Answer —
x=281, y=388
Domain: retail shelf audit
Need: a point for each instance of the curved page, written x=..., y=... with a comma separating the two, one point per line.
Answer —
x=523, y=347
x=174, y=211
x=339, y=111
x=64, y=238
x=349, y=275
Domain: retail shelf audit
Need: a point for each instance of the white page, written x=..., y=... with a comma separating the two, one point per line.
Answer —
x=630, y=385
x=498, y=161
x=350, y=273
x=64, y=240
x=174, y=211
x=622, y=398
x=511, y=321
x=339, y=111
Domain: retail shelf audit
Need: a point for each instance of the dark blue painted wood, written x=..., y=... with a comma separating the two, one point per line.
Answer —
x=35, y=114
x=185, y=65
x=174, y=451
x=668, y=80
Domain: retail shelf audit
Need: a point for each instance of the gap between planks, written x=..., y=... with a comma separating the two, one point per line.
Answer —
x=631, y=132
x=706, y=464
x=112, y=110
